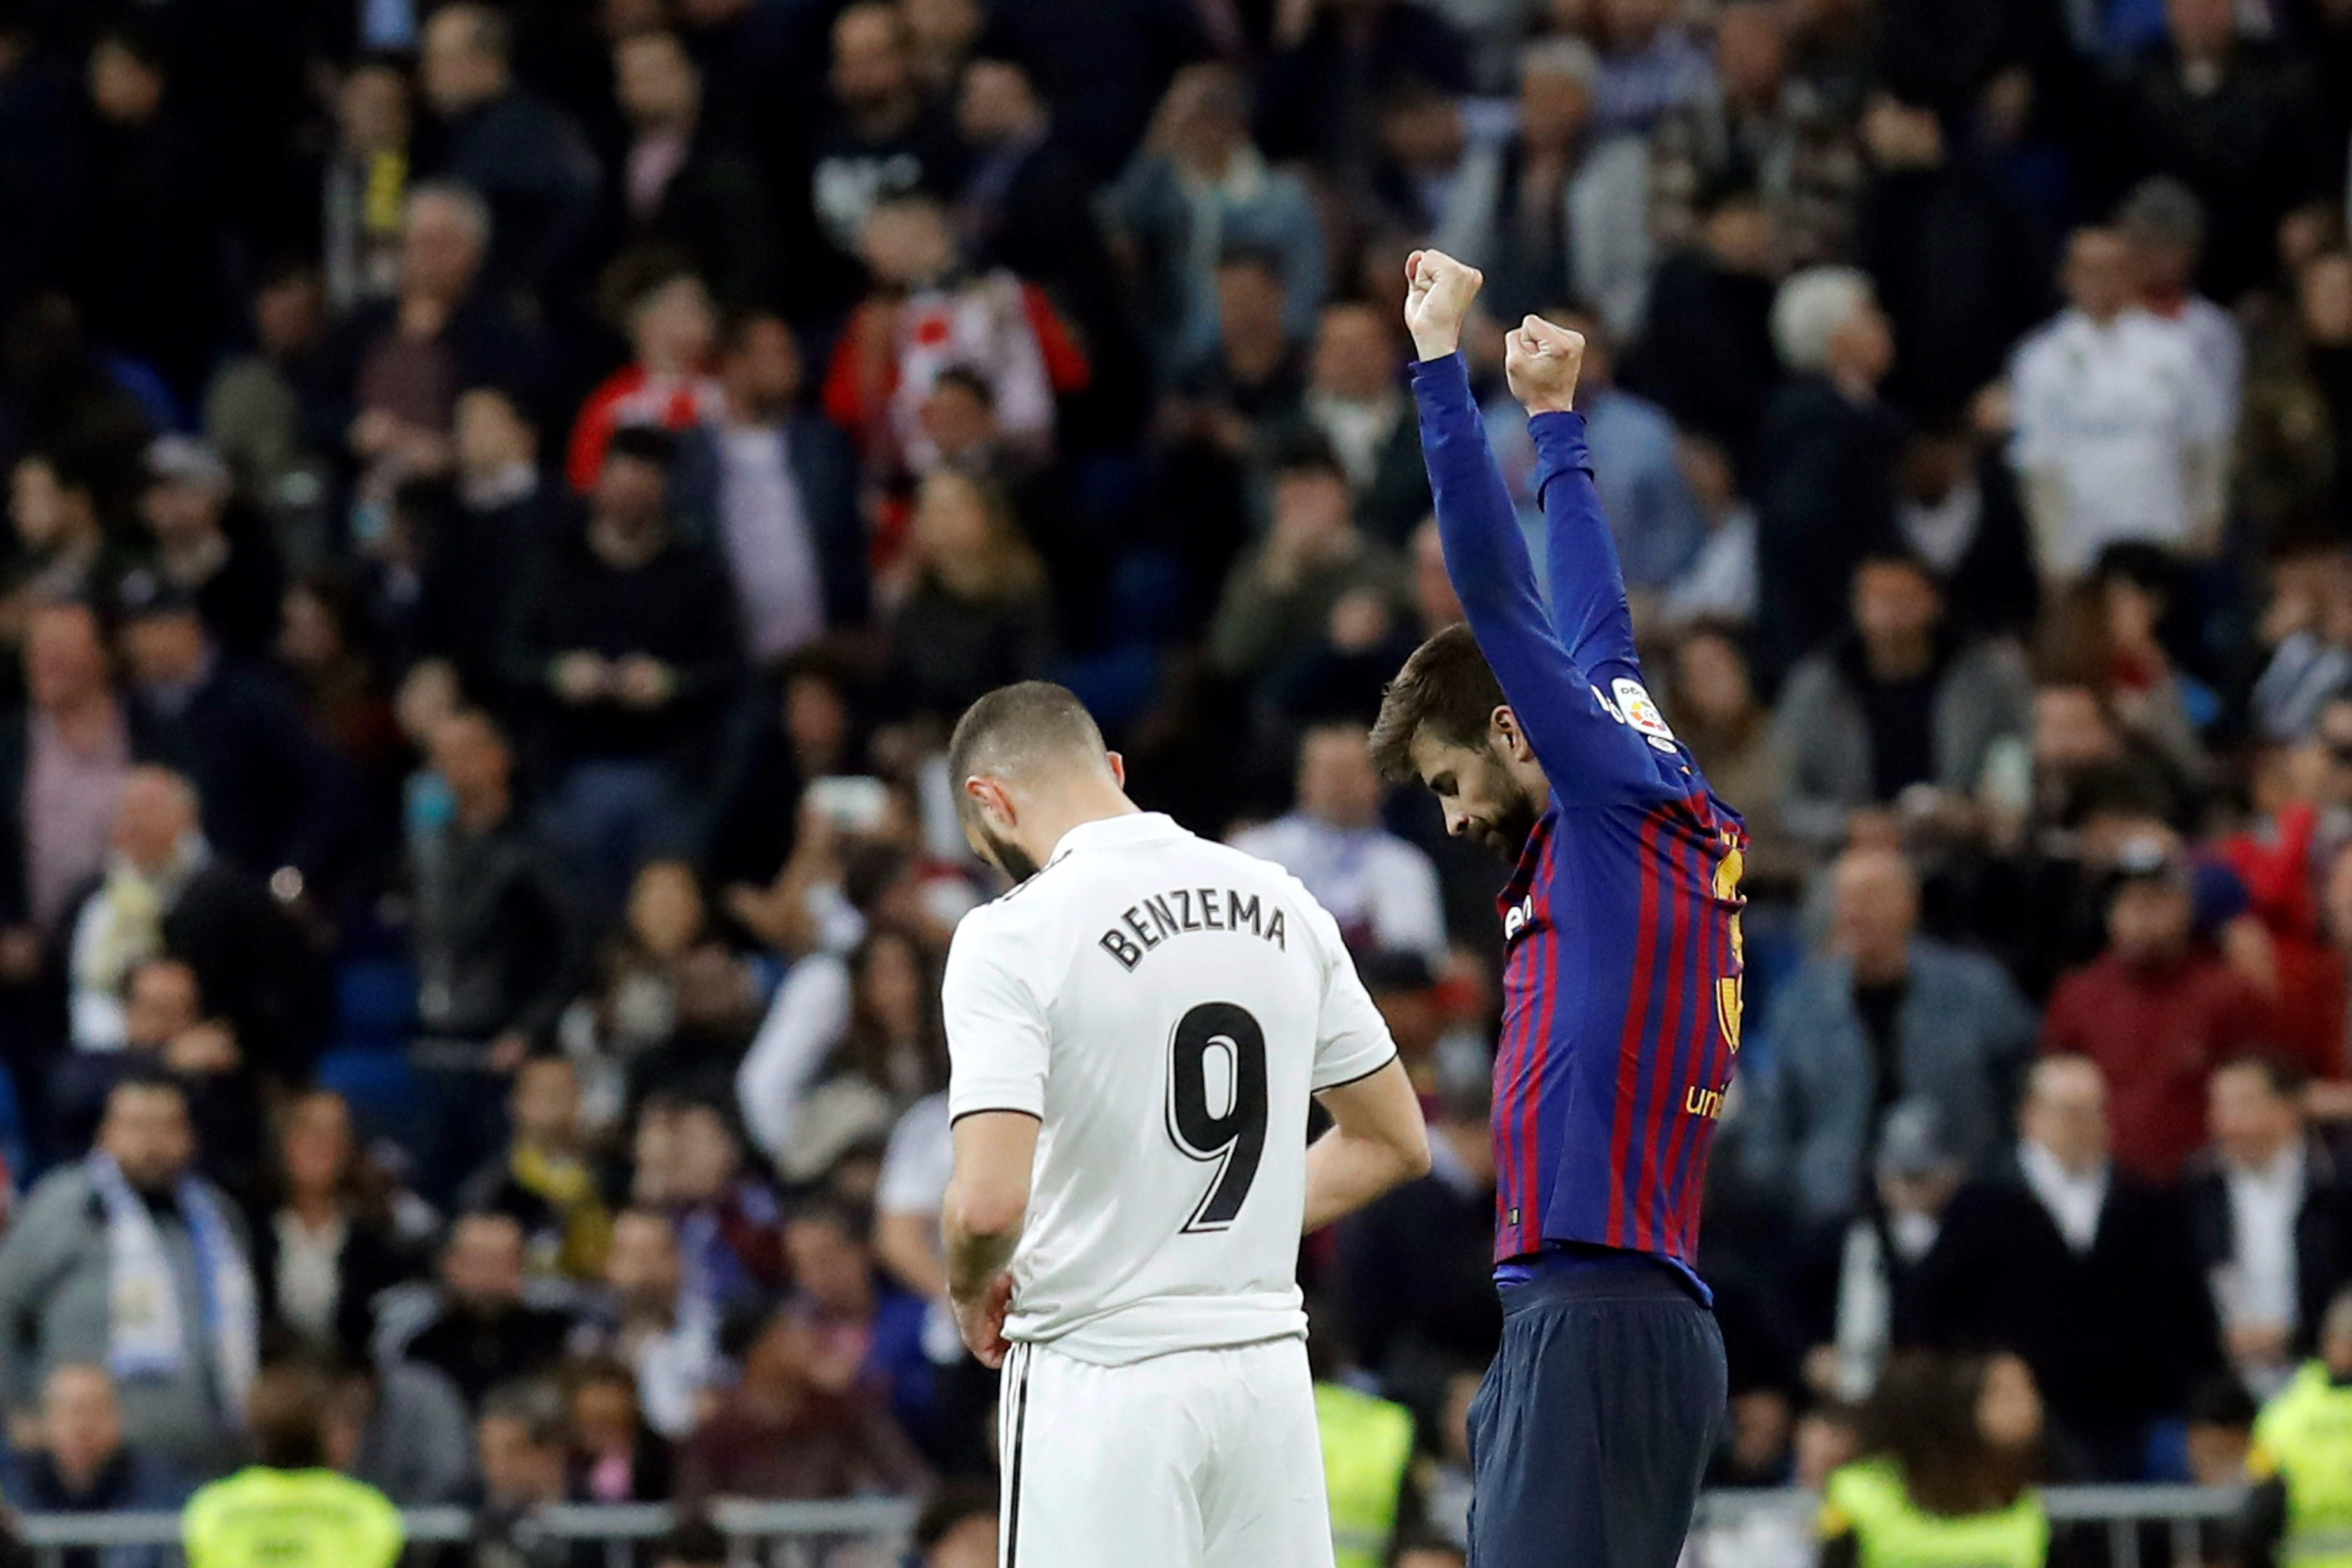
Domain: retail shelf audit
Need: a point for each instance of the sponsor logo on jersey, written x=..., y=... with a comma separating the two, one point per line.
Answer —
x=1519, y=918
x=1633, y=705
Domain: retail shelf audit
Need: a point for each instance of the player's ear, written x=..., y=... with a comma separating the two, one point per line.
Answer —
x=1117, y=767
x=989, y=800
x=1503, y=732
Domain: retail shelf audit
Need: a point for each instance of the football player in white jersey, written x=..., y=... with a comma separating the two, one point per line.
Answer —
x=1136, y=1031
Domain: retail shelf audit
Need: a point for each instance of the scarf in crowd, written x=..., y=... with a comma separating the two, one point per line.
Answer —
x=146, y=1337
x=121, y=928
x=568, y=1187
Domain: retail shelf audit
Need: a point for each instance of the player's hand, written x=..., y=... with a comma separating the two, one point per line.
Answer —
x=1438, y=292
x=1541, y=363
x=980, y=1321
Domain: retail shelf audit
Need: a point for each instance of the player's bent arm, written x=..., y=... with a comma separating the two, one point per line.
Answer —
x=1378, y=1141
x=988, y=1196
x=1588, y=584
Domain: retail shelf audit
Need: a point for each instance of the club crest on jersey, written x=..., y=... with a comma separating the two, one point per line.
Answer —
x=1519, y=918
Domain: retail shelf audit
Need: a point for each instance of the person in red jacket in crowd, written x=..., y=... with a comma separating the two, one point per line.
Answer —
x=2159, y=1010
x=669, y=381
x=928, y=314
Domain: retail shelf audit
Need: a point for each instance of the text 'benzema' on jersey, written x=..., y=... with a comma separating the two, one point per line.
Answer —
x=1622, y=989
x=1165, y=1006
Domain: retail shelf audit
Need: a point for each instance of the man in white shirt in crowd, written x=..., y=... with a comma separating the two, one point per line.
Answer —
x=2266, y=1215
x=2120, y=433
x=2164, y=223
x=1381, y=889
x=1136, y=1034
x=766, y=526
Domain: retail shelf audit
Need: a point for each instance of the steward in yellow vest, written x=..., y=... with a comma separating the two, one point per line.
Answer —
x=1367, y=1447
x=2300, y=1510
x=288, y=1510
x=1942, y=1484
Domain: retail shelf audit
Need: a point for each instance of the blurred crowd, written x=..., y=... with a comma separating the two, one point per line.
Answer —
x=505, y=499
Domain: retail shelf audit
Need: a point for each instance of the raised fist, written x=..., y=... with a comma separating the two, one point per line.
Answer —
x=1438, y=292
x=1542, y=362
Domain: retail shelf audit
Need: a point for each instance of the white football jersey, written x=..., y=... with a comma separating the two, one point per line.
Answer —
x=1165, y=1006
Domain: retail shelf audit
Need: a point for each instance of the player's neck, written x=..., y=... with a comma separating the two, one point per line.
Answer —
x=1081, y=802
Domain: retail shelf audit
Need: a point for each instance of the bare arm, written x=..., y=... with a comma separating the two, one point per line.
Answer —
x=1378, y=1141
x=987, y=1202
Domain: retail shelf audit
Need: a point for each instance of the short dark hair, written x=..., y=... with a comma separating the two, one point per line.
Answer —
x=692, y=1543
x=1446, y=688
x=646, y=443
x=1305, y=452
x=1014, y=722
x=285, y=1415
x=949, y=1507
x=2284, y=1078
x=533, y=1403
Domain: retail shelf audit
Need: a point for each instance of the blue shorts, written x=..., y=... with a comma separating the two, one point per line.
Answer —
x=1589, y=1436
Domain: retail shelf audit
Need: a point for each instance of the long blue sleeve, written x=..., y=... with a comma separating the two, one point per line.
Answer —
x=1588, y=751
x=1587, y=585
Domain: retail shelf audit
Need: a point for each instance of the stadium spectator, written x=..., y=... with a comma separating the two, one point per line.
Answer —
x=627, y=644
x=867, y=1333
x=2266, y=1215
x=662, y=1329
x=2232, y=117
x=62, y=768
x=1706, y=352
x=517, y=152
x=974, y=616
x=364, y=184
x=126, y=1259
x=1883, y=1015
x=778, y=486
x=690, y=1164
x=222, y=557
x=1870, y=1307
x=2080, y=1269
x=1354, y=405
x=2158, y=1011
x=1956, y=508
x=1947, y=1455
x=543, y=1178
x=780, y=1433
x=684, y=178
x=2164, y=223
x=615, y=1456
x=519, y=1444
x=1280, y=599
x=273, y=795
x=253, y=414
x=83, y=1466
x=1954, y=303
x=879, y=139
x=1200, y=176
x=402, y=1429
x=670, y=1000
x=483, y=543
x=483, y=1332
x=928, y=314
x=1381, y=889
x=164, y=1028
x=144, y=249
x=1906, y=704
x=389, y=374
x=1824, y=459
x=163, y=892
x=329, y=1241
x=1559, y=200
x=667, y=386
x=2116, y=439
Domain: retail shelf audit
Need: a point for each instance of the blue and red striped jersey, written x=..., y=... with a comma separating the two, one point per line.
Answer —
x=1622, y=987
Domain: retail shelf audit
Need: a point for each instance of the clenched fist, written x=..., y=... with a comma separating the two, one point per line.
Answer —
x=1438, y=292
x=1542, y=362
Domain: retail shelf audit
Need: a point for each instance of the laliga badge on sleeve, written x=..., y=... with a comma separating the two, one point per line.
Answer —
x=1640, y=712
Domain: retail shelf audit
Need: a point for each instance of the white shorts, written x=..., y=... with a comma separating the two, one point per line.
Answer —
x=1199, y=1458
